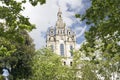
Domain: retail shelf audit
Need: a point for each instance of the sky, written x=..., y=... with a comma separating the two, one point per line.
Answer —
x=45, y=16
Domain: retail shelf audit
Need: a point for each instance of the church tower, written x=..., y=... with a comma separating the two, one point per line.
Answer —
x=61, y=39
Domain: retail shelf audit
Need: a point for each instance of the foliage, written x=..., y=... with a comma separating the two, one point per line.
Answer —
x=21, y=59
x=75, y=68
x=17, y=57
x=1, y=77
x=104, y=18
x=16, y=48
x=48, y=66
x=101, y=46
x=6, y=49
x=82, y=68
x=88, y=72
x=12, y=20
x=35, y=2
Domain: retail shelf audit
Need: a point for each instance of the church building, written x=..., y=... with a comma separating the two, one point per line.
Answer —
x=61, y=39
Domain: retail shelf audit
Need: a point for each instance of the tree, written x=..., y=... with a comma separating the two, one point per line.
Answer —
x=21, y=59
x=15, y=49
x=18, y=60
x=87, y=72
x=82, y=68
x=76, y=66
x=12, y=20
x=48, y=66
x=102, y=39
x=103, y=16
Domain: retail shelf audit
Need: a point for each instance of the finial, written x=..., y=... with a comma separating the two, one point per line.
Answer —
x=59, y=9
x=59, y=13
x=59, y=22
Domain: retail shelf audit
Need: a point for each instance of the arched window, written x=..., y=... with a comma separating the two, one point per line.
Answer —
x=61, y=31
x=71, y=63
x=64, y=63
x=51, y=32
x=71, y=50
x=69, y=33
x=62, y=49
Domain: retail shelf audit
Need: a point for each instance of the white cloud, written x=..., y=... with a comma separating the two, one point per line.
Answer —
x=44, y=16
x=82, y=31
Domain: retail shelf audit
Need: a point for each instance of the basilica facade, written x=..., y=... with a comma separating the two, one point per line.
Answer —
x=61, y=40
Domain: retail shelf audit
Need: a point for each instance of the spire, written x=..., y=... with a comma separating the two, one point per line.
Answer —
x=59, y=14
x=59, y=22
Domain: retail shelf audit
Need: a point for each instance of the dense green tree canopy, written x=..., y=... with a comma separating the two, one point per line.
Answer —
x=13, y=20
x=101, y=46
x=104, y=17
x=21, y=59
x=48, y=66
x=16, y=47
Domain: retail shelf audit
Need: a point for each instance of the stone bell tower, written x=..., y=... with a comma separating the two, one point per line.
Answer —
x=61, y=39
